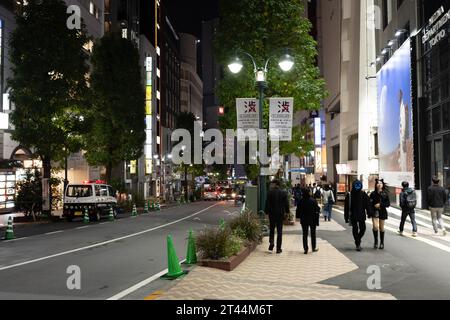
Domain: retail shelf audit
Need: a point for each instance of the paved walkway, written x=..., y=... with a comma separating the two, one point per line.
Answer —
x=267, y=276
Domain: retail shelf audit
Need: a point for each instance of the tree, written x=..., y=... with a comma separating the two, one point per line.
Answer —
x=29, y=194
x=117, y=117
x=48, y=85
x=264, y=28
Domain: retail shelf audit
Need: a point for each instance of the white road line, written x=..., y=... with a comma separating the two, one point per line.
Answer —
x=16, y=239
x=139, y=285
x=84, y=227
x=418, y=238
x=54, y=232
x=103, y=243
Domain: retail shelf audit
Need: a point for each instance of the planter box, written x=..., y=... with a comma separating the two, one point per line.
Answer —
x=231, y=263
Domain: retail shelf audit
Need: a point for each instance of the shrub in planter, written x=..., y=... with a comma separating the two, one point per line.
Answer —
x=248, y=226
x=217, y=243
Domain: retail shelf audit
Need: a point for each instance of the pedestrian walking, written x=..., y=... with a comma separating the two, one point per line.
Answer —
x=408, y=202
x=436, y=201
x=308, y=212
x=356, y=210
x=277, y=206
x=297, y=194
x=327, y=200
x=379, y=202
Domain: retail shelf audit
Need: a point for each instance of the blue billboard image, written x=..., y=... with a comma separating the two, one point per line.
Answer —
x=395, y=129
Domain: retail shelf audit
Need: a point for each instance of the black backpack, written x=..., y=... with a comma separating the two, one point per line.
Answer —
x=317, y=194
x=411, y=200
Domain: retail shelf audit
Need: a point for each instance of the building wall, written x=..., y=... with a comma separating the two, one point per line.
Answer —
x=191, y=86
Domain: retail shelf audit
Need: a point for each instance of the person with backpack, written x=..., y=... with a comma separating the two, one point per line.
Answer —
x=308, y=212
x=379, y=202
x=327, y=201
x=436, y=201
x=356, y=210
x=408, y=202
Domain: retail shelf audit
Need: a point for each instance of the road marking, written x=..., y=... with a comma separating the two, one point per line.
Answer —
x=418, y=238
x=139, y=285
x=82, y=227
x=54, y=232
x=103, y=223
x=16, y=239
x=103, y=243
x=154, y=295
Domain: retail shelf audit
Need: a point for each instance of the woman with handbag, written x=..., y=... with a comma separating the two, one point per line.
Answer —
x=379, y=201
x=308, y=211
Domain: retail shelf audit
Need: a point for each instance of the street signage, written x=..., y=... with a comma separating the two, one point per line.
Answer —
x=247, y=114
x=281, y=118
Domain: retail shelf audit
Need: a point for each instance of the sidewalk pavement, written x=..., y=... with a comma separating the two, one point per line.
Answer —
x=268, y=276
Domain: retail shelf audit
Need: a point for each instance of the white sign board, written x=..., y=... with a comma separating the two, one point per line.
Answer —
x=247, y=114
x=281, y=118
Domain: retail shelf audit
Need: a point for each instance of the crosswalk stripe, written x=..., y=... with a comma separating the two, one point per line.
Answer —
x=418, y=238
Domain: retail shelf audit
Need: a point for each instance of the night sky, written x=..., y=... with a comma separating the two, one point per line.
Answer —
x=185, y=15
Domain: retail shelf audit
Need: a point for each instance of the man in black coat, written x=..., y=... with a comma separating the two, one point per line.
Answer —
x=277, y=205
x=308, y=211
x=356, y=210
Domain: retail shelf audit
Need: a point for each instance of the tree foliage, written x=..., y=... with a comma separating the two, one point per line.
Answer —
x=264, y=28
x=117, y=116
x=48, y=85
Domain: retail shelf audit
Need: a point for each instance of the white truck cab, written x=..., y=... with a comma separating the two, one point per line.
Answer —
x=96, y=196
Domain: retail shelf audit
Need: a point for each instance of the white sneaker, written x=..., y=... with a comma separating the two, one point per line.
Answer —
x=414, y=234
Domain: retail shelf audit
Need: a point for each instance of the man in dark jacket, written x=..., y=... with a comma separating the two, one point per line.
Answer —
x=308, y=212
x=277, y=205
x=436, y=201
x=408, y=204
x=356, y=210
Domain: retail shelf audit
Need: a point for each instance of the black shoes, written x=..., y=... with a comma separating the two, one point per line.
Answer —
x=271, y=247
x=279, y=251
x=358, y=248
x=316, y=250
x=381, y=246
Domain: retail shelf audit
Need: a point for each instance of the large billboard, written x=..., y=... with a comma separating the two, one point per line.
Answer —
x=395, y=128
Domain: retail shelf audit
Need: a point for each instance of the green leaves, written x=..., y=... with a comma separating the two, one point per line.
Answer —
x=264, y=28
x=48, y=83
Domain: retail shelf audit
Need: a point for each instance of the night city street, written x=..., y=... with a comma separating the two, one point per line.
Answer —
x=225, y=159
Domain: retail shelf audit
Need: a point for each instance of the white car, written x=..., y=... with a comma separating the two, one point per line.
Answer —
x=96, y=196
x=210, y=194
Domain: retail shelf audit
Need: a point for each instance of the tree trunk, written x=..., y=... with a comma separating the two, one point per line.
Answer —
x=108, y=172
x=47, y=166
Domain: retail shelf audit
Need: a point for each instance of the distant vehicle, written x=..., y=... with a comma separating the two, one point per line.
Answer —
x=227, y=194
x=96, y=196
x=210, y=194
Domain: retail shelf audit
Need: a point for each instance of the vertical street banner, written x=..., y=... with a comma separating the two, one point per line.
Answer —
x=281, y=118
x=247, y=115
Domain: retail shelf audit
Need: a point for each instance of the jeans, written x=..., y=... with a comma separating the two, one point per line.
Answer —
x=412, y=217
x=436, y=218
x=327, y=209
x=359, y=229
x=279, y=225
x=305, y=229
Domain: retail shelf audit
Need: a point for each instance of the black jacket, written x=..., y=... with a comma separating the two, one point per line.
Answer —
x=308, y=212
x=437, y=196
x=277, y=204
x=360, y=206
x=382, y=199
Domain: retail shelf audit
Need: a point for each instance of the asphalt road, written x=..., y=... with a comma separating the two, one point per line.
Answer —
x=112, y=256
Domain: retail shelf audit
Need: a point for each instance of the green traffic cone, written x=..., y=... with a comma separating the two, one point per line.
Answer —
x=9, y=230
x=111, y=214
x=174, y=266
x=153, y=206
x=191, y=255
x=134, y=213
x=86, y=215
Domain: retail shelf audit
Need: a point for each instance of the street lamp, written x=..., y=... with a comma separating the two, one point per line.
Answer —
x=286, y=63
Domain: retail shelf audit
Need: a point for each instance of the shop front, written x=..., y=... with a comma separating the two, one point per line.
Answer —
x=435, y=60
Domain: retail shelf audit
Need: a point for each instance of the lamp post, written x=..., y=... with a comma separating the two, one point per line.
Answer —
x=286, y=63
